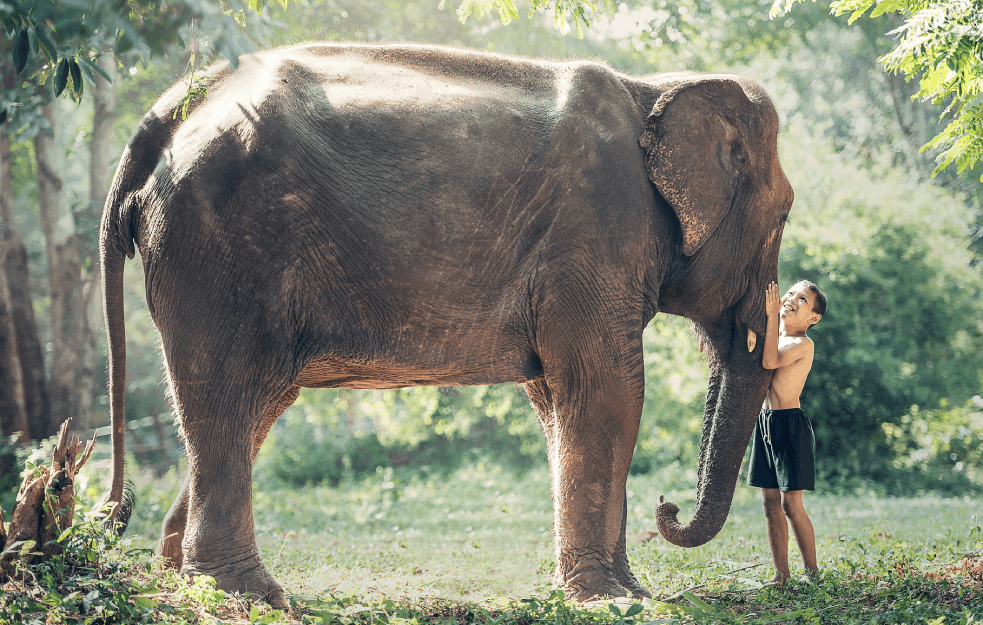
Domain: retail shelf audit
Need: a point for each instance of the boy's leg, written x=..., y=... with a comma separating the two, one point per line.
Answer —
x=777, y=532
x=805, y=536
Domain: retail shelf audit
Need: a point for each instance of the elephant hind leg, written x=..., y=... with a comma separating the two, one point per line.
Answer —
x=273, y=413
x=176, y=519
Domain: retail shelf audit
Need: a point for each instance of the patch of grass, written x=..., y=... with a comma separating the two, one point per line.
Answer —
x=475, y=546
x=101, y=578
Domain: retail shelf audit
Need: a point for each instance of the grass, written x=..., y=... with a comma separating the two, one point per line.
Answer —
x=475, y=544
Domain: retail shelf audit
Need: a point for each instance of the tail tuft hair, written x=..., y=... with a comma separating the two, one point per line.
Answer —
x=125, y=510
x=119, y=518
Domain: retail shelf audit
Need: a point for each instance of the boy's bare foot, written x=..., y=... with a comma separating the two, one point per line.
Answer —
x=778, y=580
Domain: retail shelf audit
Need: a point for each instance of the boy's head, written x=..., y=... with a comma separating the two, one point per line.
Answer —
x=804, y=305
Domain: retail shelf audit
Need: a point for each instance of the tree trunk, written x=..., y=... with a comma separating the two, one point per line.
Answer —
x=70, y=334
x=45, y=507
x=72, y=339
x=12, y=416
x=64, y=271
x=103, y=118
x=33, y=389
x=104, y=95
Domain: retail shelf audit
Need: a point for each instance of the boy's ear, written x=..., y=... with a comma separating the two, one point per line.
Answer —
x=816, y=317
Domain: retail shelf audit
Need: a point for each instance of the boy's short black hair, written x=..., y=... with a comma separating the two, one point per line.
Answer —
x=820, y=304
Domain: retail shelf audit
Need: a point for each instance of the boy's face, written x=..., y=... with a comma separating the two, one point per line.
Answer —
x=797, y=308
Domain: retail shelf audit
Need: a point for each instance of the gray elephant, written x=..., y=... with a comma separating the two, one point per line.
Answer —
x=375, y=217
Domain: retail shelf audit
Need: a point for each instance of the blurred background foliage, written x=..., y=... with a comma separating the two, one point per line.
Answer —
x=895, y=389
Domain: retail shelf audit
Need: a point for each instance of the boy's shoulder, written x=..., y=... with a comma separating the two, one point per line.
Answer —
x=800, y=346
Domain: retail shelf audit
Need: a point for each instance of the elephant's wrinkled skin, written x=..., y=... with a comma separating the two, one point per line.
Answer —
x=387, y=216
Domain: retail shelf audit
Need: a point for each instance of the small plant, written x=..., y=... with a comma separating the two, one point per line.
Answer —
x=98, y=577
x=196, y=91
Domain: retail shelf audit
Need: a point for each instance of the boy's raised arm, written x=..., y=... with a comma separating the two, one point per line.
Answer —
x=772, y=356
x=773, y=308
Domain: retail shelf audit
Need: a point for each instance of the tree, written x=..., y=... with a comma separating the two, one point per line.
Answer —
x=579, y=12
x=24, y=360
x=904, y=327
x=941, y=44
x=68, y=45
x=69, y=37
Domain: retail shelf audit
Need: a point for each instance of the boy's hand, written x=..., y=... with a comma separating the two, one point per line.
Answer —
x=773, y=303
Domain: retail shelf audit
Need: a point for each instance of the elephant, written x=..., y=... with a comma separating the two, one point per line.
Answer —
x=383, y=216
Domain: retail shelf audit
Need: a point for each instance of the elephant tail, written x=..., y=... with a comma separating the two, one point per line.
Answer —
x=116, y=244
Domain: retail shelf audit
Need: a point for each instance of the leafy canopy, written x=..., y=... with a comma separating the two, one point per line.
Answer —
x=59, y=40
x=564, y=11
x=941, y=42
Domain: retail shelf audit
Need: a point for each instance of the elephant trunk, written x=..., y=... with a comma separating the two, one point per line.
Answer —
x=734, y=397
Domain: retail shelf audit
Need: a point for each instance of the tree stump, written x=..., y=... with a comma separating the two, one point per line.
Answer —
x=45, y=506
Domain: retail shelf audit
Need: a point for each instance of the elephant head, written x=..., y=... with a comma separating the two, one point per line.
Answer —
x=711, y=151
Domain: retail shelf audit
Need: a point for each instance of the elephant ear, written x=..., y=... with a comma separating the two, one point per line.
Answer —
x=694, y=152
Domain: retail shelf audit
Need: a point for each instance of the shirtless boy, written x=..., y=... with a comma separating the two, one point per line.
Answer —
x=783, y=447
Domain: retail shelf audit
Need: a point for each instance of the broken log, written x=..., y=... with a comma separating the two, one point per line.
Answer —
x=45, y=505
x=24, y=521
x=59, y=499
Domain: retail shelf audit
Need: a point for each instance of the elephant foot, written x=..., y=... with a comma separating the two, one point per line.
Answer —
x=248, y=577
x=582, y=590
x=586, y=581
x=628, y=580
x=169, y=548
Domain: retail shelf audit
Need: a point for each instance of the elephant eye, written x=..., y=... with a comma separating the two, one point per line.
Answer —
x=784, y=217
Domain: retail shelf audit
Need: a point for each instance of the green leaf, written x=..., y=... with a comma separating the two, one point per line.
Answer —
x=34, y=40
x=86, y=74
x=89, y=599
x=273, y=616
x=93, y=67
x=76, y=77
x=696, y=601
x=614, y=609
x=21, y=49
x=885, y=6
x=142, y=601
x=634, y=609
x=47, y=48
x=61, y=77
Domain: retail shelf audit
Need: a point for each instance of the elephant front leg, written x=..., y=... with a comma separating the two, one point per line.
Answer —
x=622, y=570
x=587, y=518
x=590, y=442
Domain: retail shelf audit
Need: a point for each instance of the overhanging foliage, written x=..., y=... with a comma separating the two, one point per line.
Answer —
x=57, y=40
x=579, y=12
x=941, y=44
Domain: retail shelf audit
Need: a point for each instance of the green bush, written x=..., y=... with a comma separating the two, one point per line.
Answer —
x=905, y=321
x=299, y=454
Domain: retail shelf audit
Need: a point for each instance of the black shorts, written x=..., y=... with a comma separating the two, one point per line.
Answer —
x=783, y=451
